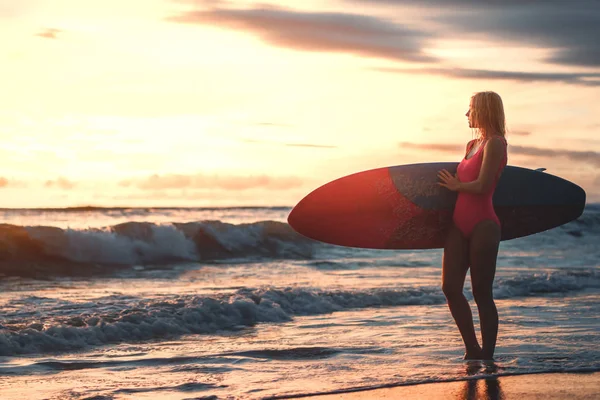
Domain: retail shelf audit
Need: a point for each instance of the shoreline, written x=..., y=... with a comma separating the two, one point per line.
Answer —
x=577, y=384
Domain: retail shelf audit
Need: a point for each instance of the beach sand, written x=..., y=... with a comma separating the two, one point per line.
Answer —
x=551, y=386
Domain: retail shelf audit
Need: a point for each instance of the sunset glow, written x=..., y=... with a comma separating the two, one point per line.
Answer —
x=210, y=103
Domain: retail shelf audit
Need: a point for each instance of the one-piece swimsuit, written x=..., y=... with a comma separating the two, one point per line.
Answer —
x=471, y=208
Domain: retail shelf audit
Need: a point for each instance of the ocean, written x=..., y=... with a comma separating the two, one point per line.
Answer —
x=228, y=303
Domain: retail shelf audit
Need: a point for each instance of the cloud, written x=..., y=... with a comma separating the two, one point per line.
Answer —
x=441, y=147
x=49, y=33
x=6, y=183
x=312, y=146
x=519, y=133
x=61, y=183
x=203, y=3
x=568, y=28
x=463, y=73
x=201, y=181
x=306, y=145
x=319, y=31
x=466, y=5
x=587, y=157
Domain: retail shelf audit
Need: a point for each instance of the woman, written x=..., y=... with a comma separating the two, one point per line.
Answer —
x=474, y=236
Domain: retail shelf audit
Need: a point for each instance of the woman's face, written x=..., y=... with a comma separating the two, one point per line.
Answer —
x=469, y=115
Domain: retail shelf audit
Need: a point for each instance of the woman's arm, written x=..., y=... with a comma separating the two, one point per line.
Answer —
x=492, y=159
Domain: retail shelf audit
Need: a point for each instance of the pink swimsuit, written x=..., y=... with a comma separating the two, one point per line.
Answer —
x=470, y=208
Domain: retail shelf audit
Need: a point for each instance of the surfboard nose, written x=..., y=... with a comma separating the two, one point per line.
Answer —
x=356, y=211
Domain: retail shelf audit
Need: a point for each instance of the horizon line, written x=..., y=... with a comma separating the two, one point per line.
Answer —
x=100, y=208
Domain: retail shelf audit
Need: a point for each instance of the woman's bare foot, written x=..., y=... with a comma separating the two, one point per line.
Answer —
x=473, y=354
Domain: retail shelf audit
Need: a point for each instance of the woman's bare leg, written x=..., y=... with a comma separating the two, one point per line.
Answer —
x=484, y=243
x=455, y=264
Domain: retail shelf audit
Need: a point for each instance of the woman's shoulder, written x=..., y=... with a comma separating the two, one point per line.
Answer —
x=496, y=140
x=496, y=144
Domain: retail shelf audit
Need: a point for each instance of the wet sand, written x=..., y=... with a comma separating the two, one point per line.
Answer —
x=551, y=386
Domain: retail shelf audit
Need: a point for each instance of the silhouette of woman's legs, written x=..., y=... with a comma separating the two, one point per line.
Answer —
x=455, y=264
x=483, y=246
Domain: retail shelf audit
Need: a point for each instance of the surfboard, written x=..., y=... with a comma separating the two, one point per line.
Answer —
x=403, y=207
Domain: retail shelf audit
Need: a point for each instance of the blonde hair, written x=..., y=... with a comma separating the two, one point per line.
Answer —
x=488, y=114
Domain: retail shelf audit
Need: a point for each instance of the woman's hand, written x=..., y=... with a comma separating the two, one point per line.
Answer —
x=449, y=181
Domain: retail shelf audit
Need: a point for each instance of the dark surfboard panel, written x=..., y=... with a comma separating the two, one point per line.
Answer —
x=403, y=207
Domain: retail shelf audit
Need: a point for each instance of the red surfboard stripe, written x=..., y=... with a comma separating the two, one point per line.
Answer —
x=370, y=220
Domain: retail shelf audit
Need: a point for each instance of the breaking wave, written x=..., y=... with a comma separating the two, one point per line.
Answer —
x=29, y=251
x=126, y=319
x=35, y=251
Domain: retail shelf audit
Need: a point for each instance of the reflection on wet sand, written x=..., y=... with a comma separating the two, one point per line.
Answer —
x=481, y=389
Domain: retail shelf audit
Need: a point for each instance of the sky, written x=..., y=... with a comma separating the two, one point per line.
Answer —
x=239, y=103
